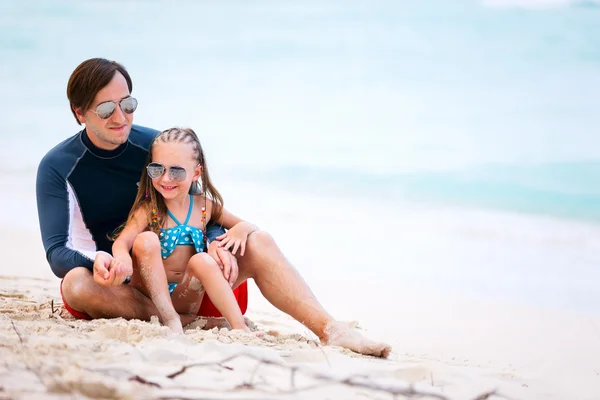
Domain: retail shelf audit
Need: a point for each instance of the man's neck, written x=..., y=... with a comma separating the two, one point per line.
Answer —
x=101, y=144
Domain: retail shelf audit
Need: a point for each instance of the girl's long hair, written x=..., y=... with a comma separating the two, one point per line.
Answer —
x=149, y=199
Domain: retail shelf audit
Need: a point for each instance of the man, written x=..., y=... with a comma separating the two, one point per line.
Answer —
x=86, y=186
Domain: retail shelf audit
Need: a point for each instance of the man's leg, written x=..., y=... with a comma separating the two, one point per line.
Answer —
x=282, y=286
x=83, y=294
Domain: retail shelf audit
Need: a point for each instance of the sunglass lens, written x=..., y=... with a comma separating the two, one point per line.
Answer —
x=177, y=174
x=105, y=110
x=155, y=171
x=129, y=105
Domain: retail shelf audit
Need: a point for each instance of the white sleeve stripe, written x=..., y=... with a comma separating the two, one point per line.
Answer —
x=79, y=236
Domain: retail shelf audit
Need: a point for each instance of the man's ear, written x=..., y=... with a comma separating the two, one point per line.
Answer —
x=79, y=114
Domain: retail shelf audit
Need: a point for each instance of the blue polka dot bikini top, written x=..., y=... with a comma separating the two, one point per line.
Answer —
x=181, y=235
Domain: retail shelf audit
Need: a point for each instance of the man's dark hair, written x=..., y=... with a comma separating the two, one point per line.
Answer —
x=89, y=78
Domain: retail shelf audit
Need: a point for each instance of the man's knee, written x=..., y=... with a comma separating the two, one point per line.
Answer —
x=76, y=285
x=260, y=240
x=146, y=242
x=261, y=254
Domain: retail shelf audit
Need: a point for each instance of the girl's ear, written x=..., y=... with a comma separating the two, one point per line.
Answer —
x=198, y=172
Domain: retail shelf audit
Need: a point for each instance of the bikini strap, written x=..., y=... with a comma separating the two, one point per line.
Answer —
x=187, y=219
x=173, y=218
x=189, y=214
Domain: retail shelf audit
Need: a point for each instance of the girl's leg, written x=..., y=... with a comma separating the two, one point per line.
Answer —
x=204, y=275
x=146, y=250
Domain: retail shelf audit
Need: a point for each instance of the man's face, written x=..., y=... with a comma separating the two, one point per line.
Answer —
x=108, y=133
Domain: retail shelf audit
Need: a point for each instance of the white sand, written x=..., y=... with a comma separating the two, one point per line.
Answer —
x=456, y=347
x=446, y=345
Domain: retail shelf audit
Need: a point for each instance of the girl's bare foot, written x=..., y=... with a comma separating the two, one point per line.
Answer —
x=220, y=322
x=340, y=334
x=174, y=324
x=187, y=319
x=240, y=323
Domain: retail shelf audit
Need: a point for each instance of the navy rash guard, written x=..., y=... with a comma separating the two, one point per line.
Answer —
x=84, y=193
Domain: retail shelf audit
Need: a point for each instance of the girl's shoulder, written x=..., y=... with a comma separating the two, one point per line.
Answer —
x=202, y=201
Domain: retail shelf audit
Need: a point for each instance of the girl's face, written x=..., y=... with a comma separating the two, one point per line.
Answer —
x=174, y=183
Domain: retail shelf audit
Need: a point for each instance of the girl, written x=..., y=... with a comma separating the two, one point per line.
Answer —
x=175, y=201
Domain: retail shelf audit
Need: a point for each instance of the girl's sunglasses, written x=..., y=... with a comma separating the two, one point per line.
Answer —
x=106, y=109
x=156, y=170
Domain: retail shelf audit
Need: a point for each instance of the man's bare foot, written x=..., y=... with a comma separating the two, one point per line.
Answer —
x=340, y=334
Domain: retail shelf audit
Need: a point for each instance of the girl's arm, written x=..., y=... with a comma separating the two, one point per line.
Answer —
x=237, y=234
x=123, y=244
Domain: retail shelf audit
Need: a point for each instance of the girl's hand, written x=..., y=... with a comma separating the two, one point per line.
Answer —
x=120, y=269
x=237, y=237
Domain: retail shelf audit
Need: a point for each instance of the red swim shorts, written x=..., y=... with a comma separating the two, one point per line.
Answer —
x=207, y=308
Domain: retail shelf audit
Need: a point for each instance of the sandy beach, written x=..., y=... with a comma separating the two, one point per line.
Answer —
x=518, y=354
x=447, y=345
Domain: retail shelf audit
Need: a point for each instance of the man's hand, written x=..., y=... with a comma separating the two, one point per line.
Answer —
x=102, y=268
x=226, y=261
x=110, y=271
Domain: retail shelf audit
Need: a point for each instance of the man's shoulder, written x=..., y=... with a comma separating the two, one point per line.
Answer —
x=62, y=156
x=142, y=136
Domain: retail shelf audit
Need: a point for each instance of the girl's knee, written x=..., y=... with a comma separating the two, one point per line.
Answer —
x=146, y=242
x=201, y=263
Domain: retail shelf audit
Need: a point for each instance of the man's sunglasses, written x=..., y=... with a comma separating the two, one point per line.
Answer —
x=106, y=109
x=156, y=170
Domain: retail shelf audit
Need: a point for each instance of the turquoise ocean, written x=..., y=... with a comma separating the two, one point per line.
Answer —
x=467, y=105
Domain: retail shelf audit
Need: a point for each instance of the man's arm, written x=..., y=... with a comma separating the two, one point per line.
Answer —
x=214, y=230
x=54, y=216
x=225, y=260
